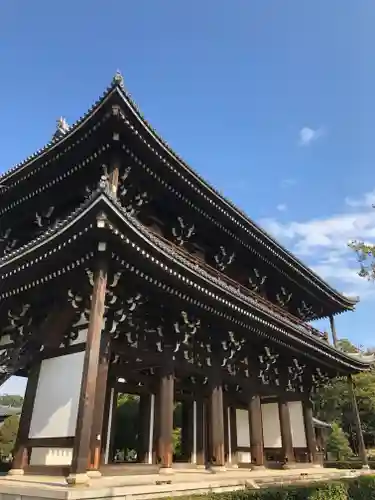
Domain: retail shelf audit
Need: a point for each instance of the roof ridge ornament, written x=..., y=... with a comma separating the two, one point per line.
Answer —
x=118, y=79
x=62, y=128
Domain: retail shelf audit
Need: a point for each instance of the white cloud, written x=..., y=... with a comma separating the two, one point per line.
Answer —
x=323, y=244
x=308, y=135
x=367, y=200
x=281, y=207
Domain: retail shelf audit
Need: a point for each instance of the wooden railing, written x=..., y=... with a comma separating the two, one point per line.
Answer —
x=258, y=300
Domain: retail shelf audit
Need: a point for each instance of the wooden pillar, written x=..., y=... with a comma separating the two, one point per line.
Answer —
x=358, y=426
x=100, y=400
x=333, y=330
x=166, y=407
x=86, y=407
x=286, y=433
x=256, y=432
x=310, y=432
x=216, y=421
x=200, y=435
x=233, y=436
x=20, y=454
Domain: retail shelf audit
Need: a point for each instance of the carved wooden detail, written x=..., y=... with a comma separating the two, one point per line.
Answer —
x=256, y=282
x=268, y=367
x=295, y=374
x=44, y=219
x=283, y=297
x=223, y=259
x=7, y=243
x=306, y=312
x=182, y=232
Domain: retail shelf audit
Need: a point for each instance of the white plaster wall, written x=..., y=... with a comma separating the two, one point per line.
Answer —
x=244, y=457
x=56, y=402
x=297, y=424
x=243, y=430
x=271, y=425
x=51, y=456
x=82, y=336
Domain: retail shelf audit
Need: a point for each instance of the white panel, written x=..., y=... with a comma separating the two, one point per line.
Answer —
x=57, y=397
x=271, y=425
x=297, y=424
x=243, y=430
x=111, y=402
x=244, y=457
x=82, y=336
x=51, y=456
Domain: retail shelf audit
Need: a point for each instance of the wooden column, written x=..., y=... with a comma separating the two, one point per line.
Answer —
x=86, y=408
x=256, y=432
x=200, y=437
x=358, y=426
x=166, y=407
x=333, y=330
x=20, y=455
x=286, y=433
x=310, y=431
x=233, y=436
x=96, y=444
x=216, y=421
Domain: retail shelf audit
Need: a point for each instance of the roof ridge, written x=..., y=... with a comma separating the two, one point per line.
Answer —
x=117, y=80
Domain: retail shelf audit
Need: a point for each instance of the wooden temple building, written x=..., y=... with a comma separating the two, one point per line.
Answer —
x=122, y=270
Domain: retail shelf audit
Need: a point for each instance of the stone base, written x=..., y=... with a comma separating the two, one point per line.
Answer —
x=94, y=474
x=166, y=471
x=293, y=465
x=217, y=468
x=16, y=472
x=257, y=467
x=78, y=480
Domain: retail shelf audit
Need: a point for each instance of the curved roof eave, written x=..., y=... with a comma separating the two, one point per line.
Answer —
x=350, y=362
x=118, y=85
x=346, y=302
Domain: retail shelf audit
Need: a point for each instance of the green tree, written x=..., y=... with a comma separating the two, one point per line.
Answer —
x=8, y=434
x=366, y=258
x=126, y=425
x=338, y=443
x=13, y=400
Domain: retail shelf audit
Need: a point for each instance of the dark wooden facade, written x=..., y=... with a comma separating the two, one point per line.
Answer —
x=181, y=297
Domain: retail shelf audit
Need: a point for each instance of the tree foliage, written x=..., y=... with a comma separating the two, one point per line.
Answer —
x=338, y=443
x=8, y=434
x=13, y=400
x=333, y=403
x=366, y=258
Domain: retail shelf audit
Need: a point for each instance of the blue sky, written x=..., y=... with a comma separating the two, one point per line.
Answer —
x=271, y=100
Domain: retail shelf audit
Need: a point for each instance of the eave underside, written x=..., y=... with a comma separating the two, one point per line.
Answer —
x=138, y=253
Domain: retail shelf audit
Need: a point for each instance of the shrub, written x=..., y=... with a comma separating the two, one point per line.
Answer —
x=362, y=488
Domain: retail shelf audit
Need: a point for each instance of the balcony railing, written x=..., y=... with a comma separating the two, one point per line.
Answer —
x=251, y=296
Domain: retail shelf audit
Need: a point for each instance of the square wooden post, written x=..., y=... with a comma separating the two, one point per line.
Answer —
x=85, y=418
